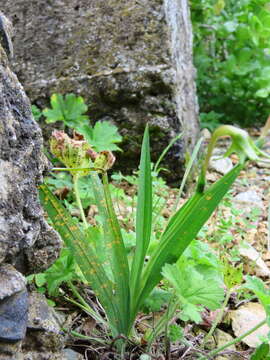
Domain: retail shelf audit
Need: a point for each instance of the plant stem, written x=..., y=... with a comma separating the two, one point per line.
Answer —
x=238, y=339
x=164, y=152
x=78, y=200
x=186, y=174
x=167, y=339
x=77, y=294
x=84, y=337
x=83, y=304
x=218, y=318
x=162, y=323
x=77, y=169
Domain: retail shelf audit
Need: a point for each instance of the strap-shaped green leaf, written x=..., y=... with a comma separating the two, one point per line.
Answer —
x=182, y=229
x=84, y=254
x=119, y=261
x=143, y=216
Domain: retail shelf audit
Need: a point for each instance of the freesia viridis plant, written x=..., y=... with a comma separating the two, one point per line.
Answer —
x=122, y=286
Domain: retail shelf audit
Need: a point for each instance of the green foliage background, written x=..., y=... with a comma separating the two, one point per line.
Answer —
x=232, y=57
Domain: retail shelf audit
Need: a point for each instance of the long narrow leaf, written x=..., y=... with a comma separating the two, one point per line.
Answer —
x=84, y=254
x=143, y=216
x=182, y=229
x=114, y=250
x=119, y=261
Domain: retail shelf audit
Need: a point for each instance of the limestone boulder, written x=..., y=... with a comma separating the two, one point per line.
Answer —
x=130, y=59
x=27, y=243
x=22, y=163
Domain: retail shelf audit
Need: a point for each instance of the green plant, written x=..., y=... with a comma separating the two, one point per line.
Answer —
x=68, y=108
x=231, y=54
x=71, y=109
x=122, y=287
x=37, y=113
x=188, y=283
x=210, y=120
x=62, y=271
x=233, y=276
x=194, y=290
x=261, y=353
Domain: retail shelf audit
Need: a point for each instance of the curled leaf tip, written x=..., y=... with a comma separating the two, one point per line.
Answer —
x=242, y=145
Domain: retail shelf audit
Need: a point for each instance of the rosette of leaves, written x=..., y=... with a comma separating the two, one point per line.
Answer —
x=123, y=290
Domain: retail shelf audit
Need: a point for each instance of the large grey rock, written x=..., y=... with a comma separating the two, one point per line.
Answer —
x=26, y=240
x=22, y=163
x=13, y=317
x=131, y=60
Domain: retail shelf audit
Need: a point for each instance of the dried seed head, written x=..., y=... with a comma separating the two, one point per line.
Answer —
x=73, y=153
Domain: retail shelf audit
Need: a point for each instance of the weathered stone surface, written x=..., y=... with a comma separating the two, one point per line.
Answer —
x=13, y=312
x=72, y=355
x=248, y=200
x=36, y=355
x=42, y=317
x=26, y=240
x=222, y=338
x=11, y=281
x=131, y=60
x=11, y=351
x=221, y=165
x=13, y=317
x=45, y=249
x=6, y=33
x=245, y=318
x=44, y=339
x=22, y=163
x=63, y=355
